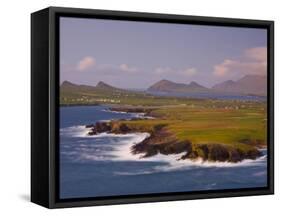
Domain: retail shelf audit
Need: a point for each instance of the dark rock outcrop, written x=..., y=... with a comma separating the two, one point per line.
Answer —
x=220, y=152
x=90, y=126
x=102, y=127
x=99, y=127
x=163, y=142
x=164, y=148
x=256, y=142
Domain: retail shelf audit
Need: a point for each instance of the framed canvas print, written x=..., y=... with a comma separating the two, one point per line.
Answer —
x=138, y=107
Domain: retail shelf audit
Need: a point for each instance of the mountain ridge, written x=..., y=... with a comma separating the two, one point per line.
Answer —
x=247, y=85
x=170, y=86
x=105, y=86
x=100, y=85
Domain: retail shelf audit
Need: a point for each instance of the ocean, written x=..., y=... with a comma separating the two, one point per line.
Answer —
x=102, y=165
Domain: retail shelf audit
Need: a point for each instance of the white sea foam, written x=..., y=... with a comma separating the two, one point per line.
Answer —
x=121, y=151
x=111, y=111
x=135, y=115
x=142, y=116
x=171, y=163
x=182, y=164
x=135, y=173
x=82, y=132
x=74, y=131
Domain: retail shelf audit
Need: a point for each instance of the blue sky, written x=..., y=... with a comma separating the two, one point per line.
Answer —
x=132, y=54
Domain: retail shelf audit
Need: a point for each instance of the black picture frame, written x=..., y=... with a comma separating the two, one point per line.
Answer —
x=45, y=103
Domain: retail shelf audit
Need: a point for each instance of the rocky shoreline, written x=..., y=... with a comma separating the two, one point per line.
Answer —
x=163, y=142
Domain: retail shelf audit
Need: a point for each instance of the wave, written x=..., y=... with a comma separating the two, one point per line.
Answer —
x=74, y=131
x=111, y=111
x=134, y=115
x=122, y=151
x=142, y=116
x=117, y=147
x=170, y=163
x=82, y=132
x=114, y=147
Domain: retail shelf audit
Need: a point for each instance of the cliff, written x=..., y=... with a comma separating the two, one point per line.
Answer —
x=163, y=142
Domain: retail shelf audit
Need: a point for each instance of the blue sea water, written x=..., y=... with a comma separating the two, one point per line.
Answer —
x=102, y=165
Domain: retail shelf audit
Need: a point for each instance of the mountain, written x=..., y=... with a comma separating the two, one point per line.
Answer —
x=194, y=86
x=225, y=86
x=104, y=86
x=249, y=84
x=68, y=86
x=169, y=86
x=101, y=88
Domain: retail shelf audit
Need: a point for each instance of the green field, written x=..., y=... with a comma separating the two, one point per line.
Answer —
x=212, y=125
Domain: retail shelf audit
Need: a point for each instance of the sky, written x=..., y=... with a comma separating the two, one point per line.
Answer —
x=130, y=54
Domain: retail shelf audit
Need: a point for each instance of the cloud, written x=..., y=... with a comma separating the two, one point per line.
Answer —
x=167, y=70
x=127, y=68
x=105, y=69
x=223, y=68
x=252, y=61
x=86, y=63
x=190, y=71
x=162, y=70
x=257, y=53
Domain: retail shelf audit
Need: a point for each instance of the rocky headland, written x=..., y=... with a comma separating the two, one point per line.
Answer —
x=164, y=142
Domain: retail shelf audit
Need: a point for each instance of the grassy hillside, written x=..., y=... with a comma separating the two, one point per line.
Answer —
x=211, y=125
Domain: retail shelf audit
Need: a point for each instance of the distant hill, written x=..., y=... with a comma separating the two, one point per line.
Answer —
x=104, y=86
x=169, y=86
x=101, y=86
x=249, y=84
x=68, y=86
x=102, y=93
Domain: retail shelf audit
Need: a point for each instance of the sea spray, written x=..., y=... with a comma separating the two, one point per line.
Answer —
x=134, y=115
x=121, y=151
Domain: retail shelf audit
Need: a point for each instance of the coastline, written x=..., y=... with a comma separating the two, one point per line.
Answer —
x=108, y=156
x=163, y=142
